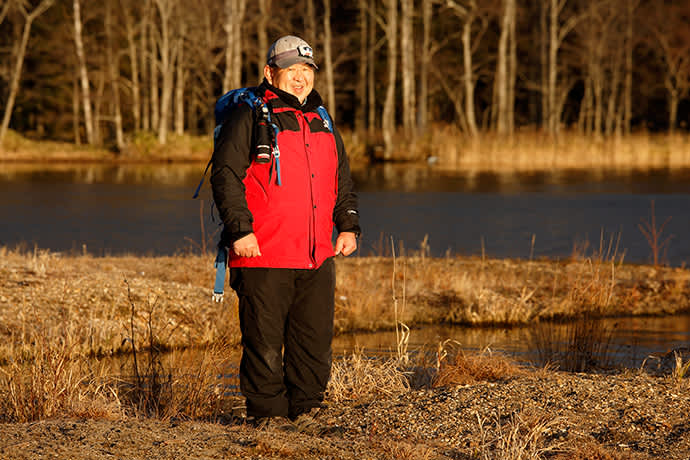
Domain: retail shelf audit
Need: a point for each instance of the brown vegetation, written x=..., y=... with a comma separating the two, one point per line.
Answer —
x=446, y=146
x=60, y=312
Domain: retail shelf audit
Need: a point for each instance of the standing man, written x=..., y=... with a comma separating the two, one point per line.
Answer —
x=279, y=211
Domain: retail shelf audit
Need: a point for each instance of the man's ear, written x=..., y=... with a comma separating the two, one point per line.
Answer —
x=268, y=73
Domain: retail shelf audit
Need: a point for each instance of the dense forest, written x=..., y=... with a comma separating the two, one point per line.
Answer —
x=98, y=72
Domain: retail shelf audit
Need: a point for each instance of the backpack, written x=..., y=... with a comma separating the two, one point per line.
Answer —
x=265, y=148
x=247, y=95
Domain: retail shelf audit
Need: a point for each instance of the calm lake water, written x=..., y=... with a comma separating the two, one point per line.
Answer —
x=149, y=210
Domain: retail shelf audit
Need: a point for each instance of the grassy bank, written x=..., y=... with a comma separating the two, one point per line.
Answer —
x=58, y=312
x=443, y=145
x=91, y=303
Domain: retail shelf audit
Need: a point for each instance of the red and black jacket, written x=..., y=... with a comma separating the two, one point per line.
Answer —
x=293, y=222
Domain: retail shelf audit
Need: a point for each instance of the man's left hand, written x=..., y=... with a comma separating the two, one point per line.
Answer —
x=346, y=243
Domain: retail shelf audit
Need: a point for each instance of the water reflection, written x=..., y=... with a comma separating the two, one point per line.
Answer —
x=631, y=339
x=379, y=177
x=132, y=174
x=427, y=179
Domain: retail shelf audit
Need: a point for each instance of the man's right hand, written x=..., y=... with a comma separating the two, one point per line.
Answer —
x=247, y=246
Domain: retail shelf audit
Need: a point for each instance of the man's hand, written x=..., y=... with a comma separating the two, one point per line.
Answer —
x=346, y=243
x=247, y=246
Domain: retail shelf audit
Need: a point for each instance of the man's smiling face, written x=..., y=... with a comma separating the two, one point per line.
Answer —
x=298, y=79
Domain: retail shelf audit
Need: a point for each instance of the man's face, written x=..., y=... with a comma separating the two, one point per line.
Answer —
x=298, y=79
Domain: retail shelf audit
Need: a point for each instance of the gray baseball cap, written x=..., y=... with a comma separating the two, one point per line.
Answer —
x=289, y=50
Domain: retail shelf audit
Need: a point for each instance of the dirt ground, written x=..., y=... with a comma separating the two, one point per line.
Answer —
x=541, y=414
x=527, y=415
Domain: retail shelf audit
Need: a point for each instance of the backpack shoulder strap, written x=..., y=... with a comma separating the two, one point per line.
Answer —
x=323, y=113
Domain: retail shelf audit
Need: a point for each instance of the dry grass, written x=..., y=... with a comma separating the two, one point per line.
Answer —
x=525, y=150
x=456, y=367
x=358, y=377
x=59, y=312
x=518, y=437
x=529, y=150
x=53, y=382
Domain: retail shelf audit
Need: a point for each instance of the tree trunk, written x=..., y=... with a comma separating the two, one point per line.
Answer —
x=544, y=61
x=470, y=115
x=388, y=117
x=134, y=64
x=371, y=77
x=407, y=63
x=553, y=122
x=328, y=59
x=112, y=61
x=83, y=75
x=234, y=16
x=75, y=112
x=502, y=64
x=613, y=102
x=168, y=53
x=145, y=72
x=310, y=24
x=425, y=58
x=361, y=88
x=673, y=100
x=512, y=70
x=180, y=77
x=627, y=91
x=262, y=36
x=153, y=64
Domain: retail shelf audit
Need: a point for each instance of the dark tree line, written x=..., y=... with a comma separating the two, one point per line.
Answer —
x=99, y=71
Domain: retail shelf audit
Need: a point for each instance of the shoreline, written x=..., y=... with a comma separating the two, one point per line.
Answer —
x=460, y=290
x=445, y=148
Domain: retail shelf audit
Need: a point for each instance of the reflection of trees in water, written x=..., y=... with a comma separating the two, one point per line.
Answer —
x=163, y=174
x=628, y=340
x=408, y=177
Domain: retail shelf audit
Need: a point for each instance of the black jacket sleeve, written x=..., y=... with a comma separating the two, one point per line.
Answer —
x=231, y=158
x=345, y=213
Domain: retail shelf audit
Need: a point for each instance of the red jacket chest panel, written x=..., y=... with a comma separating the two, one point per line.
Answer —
x=293, y=222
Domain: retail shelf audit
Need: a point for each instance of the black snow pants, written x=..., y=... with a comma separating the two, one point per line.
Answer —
x=286, y=320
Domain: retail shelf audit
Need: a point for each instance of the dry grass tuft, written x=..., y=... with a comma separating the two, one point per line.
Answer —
x=517, y=437
x=456, y=367
x=358, y=377
x=50, y=383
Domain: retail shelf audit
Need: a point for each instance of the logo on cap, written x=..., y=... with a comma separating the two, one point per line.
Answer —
x=305, y=51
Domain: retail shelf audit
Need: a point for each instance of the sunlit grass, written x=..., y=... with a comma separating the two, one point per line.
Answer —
x=445, y=146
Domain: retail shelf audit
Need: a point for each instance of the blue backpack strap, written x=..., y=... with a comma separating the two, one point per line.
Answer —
x=323, y=113
x=221, y=263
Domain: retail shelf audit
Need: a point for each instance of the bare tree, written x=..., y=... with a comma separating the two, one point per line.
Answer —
x=361, y=87
x=407, y=64
x=132, y=54
x=388, y=117
x=180, y=78
x=310, y=23
x=467, y=11
x=371, y=74
x=4, y=9
x=668, y=23
x=505, y=71
x=83, y=73
x=328, y=58
x=424, y=63
x=112, y=62
x=262, y=34
x=556, y=93
x=29, y=18
x=234, y=17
